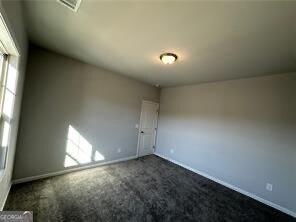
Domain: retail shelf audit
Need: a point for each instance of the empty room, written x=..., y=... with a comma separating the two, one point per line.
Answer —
x=149, y=110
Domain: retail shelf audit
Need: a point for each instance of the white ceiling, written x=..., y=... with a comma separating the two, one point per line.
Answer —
x=214, y=40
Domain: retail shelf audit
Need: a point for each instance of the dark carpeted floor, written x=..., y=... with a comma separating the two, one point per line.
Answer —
x=147, y=189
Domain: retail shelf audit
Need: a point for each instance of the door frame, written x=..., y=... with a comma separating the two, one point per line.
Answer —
x=140, y=123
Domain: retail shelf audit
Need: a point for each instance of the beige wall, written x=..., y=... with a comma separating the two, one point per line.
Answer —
x=242, y=132
x=59, y=91
x=12, y=13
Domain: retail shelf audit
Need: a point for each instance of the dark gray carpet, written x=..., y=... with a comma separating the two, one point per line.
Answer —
x=148, y=189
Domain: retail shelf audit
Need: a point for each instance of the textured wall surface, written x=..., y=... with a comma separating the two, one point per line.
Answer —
x=242, y=132
x=102, y=107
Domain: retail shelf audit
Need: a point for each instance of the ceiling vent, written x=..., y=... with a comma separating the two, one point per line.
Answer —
x=71, y=4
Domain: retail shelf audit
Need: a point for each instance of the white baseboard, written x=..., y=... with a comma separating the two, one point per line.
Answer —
x=27, y=179
x=4, y=201
x=253, y=196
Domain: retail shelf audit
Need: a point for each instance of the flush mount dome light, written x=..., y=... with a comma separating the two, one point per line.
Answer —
x=168, y=58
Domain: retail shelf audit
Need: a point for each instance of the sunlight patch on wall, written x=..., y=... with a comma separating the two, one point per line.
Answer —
x=98, y=156
x=69, y=162
x=79, y=150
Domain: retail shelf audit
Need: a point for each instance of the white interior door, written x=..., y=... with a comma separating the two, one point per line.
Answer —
x=148, y=128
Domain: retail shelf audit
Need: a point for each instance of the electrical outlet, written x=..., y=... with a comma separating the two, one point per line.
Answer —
x=269, y=186
x=172, y=151
x=119, y=150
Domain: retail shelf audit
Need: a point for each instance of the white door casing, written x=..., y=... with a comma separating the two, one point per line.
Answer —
x=147, y=128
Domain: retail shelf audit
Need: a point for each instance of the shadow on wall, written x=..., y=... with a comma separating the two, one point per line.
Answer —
x=79, y=150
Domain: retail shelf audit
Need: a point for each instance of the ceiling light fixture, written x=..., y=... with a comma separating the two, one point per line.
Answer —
x=168, y=58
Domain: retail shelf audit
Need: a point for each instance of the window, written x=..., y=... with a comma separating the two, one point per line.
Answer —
x=9, y=60
x=8, y=78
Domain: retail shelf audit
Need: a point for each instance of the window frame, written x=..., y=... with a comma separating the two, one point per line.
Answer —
x=10, y=49
x=3, y=80
x=3, y=117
